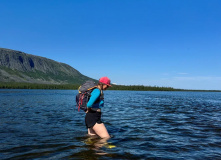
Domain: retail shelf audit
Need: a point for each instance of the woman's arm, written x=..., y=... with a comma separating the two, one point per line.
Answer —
x=95, y=94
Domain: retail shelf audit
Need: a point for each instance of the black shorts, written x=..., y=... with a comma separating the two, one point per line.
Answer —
x=91, y=118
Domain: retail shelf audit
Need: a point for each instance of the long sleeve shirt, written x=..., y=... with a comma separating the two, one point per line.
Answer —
x=95, y=95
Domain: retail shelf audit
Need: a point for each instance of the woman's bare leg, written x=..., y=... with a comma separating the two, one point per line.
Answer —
x=101, y=130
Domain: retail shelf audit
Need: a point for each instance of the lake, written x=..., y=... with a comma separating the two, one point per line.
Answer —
x=45, y=124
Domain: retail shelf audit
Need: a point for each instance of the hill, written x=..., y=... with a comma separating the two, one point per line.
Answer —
x=16, y=66
x=26, y=71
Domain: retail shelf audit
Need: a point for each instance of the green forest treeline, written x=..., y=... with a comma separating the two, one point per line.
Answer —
x=75, y=87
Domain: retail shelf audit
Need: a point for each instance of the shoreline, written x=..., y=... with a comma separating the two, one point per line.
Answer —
x=14, y=85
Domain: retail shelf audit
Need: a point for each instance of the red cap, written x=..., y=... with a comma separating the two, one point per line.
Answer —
x=105, y=80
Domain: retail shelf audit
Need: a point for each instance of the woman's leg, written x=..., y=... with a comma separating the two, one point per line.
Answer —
x=101, y=130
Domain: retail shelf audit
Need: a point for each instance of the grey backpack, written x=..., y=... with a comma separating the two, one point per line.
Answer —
x=84, y=94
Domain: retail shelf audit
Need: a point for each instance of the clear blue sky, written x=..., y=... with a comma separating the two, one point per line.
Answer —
x=174, y=43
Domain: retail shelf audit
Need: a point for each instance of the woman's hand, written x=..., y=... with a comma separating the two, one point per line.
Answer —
x=88, y=109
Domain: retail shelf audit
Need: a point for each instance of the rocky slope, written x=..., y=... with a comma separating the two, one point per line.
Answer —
x=16, y=66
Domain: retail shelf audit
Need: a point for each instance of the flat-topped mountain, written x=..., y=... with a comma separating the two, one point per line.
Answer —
x=16, y=66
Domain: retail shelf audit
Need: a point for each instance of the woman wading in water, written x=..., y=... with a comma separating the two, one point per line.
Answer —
x=93, y=114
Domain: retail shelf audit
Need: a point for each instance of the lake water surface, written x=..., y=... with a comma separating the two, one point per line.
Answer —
x=45, y=124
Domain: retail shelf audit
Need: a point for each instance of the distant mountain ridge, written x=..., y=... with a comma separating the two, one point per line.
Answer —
x=17, y=66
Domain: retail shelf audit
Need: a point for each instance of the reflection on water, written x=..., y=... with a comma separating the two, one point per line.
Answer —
x=95, y=143
x=44, y=124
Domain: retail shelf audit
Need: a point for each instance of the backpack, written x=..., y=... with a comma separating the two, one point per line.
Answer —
x=84, y=95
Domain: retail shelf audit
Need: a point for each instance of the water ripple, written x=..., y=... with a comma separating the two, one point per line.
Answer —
x=44, y=124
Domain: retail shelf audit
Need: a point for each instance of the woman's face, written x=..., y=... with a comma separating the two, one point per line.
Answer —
x=105, y=87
